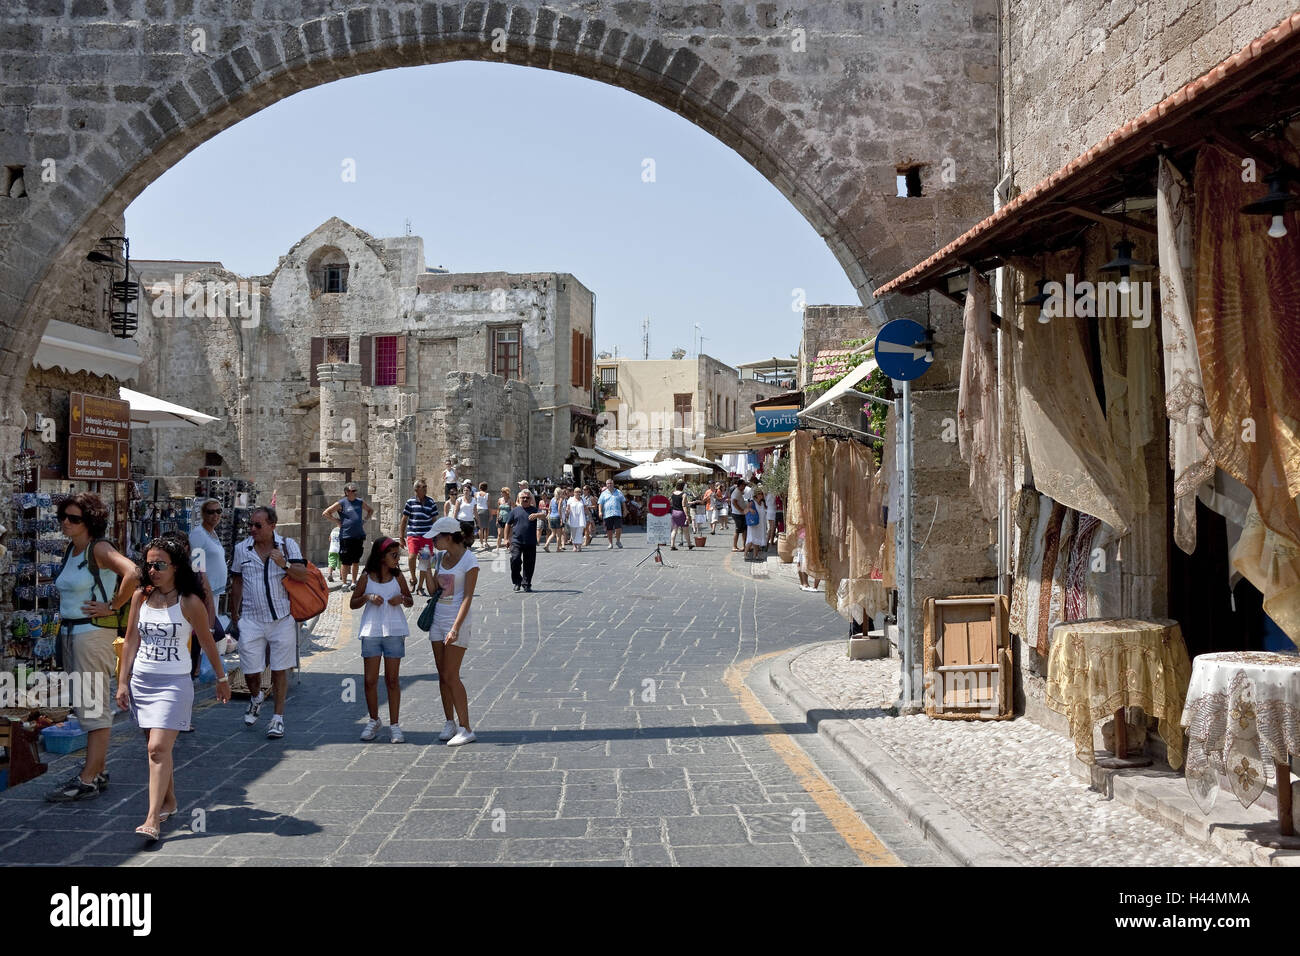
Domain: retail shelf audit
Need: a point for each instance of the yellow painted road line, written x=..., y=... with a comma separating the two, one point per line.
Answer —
x=859, y=837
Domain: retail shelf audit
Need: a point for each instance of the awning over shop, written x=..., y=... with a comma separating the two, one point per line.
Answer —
x=77, y=349
x=150, y=412
x=733, y=442
x=1234, y=101
x=617, y=457
x=595, y=457
x=843, y=387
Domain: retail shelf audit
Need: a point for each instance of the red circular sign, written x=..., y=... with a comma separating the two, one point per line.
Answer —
x=659, y=506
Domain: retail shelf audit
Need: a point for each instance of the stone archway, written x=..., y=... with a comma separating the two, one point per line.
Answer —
x=815, y=96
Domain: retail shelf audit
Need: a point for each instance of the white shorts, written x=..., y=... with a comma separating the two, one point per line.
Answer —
x=255, y=636
x=438, y=633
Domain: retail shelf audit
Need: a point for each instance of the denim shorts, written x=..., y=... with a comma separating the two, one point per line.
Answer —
x=393, y=646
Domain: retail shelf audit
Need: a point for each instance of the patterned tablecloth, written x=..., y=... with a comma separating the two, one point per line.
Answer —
x=1096, y=667
x=1242, y=717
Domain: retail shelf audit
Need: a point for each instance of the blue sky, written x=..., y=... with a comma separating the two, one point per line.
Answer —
x=513, y=168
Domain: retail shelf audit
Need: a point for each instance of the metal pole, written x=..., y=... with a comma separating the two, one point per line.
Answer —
x=907, y=703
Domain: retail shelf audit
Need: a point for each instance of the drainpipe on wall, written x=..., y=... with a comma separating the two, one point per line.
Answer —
x=1001, y=286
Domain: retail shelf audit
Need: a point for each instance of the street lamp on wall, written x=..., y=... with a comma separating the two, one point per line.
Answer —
x=121, y=299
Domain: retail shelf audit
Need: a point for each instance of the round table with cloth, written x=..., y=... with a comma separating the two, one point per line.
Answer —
x=1243, y=721
x=1096, y=667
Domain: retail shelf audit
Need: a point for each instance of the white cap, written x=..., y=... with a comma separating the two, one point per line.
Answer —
x=444, y=526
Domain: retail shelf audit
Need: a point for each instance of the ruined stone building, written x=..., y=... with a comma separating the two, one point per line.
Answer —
x=351, y=354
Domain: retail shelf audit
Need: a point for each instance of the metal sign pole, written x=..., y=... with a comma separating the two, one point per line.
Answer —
x=905, y=589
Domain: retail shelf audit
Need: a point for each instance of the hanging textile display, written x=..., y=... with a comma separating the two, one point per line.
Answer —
x=1190, y=439
x=851, y=589
x=1076, y=575
x=1271, y=562
x=1056, y=549
x=1248, y=339
x=977, y=411
x=1026, y=518
x=1070, y=449
x=1128, y=356
x=796, y=497
x=1034, y=570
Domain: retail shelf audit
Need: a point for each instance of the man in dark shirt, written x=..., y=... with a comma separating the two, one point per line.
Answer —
x=351, y=513
x=523, y=540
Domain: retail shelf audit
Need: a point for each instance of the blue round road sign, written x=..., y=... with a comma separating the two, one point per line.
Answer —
x=901, y=351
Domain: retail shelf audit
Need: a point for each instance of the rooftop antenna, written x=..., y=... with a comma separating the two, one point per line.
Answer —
x=408, y=225
x=645, y=338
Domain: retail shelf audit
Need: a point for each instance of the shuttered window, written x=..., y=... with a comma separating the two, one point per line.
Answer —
x=586, y=377
x=507, y=357
x=575, y=359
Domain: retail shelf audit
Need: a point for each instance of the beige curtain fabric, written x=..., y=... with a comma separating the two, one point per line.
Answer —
x=1190, y=439
x=1034, y=570
x=1248, y=338
x=977, y=402
x=1128, y=356
x=1271, y=562
x=856, y=482
x=1073, y=458
x=797, y=500
x=1047, y=573
x=1026, y=519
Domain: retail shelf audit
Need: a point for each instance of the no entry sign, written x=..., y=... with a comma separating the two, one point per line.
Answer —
x=658, y=526
x=659, y=506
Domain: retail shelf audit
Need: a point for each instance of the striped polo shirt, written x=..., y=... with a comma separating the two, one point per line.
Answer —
x=265, y=598
x=420, y=516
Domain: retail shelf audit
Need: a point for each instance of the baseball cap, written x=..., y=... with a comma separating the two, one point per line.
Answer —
x=444, y=526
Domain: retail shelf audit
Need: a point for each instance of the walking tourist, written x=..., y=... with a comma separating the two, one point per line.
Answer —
x=418, y=515
x=483, y=515
x=770, y=519
x=456, y=572
x=352, y=514
x=755, y=525
x=167, y=615
x=710, y=516
x=504, y=506
x=94, y=584
x=523, y=540
x=554, y=522
x=465, y=512
x=611, y=509
x=260, y=612
x=382, y=591
x=575, y=519
x=449, y=485
x=589, y=502
x=212, y=568
x=424, y=565
x=680, y=505
x=738, y=505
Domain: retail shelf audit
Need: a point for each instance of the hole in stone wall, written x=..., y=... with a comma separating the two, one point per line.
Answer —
x=909, y=181
x=13, y=185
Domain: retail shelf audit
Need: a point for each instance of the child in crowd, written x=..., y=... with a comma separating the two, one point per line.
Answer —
x=424, y=564
x=333, y=558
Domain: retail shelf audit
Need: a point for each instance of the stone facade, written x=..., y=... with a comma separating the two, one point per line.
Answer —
x=393, y=345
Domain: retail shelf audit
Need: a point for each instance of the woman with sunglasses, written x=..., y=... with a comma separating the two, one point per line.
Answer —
x=167, y=615
x=383, y=592
x=208, y=557
x=95, y=583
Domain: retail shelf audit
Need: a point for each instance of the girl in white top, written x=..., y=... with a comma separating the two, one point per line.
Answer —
x=575, y=516
x=383, y=592
x=154, y=675
x=456, y=572
x=482, y=502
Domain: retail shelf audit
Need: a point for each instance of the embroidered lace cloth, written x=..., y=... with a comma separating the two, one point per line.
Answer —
x=1242, y=716
x=1099, y=666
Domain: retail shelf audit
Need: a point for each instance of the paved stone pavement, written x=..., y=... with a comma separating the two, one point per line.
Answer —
x=1010, y=779
x=613, y=724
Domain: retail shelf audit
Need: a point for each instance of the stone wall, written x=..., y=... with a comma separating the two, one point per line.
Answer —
x=486, y=421
x=826, y=326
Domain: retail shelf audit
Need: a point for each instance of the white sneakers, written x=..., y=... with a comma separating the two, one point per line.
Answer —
x=371, y=730
x=448, y=730
x=463, y=736
x=395, y=734
x=254, y=708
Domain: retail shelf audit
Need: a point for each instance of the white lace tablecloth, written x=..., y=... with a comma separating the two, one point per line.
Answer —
x=1242, y=717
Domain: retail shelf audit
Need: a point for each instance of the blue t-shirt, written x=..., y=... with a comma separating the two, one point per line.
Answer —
x=420, y=516
x=611, y=503
x=523, y=530
x=353, y=516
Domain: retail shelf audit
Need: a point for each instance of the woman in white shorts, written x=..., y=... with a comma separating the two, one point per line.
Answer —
x=154, y=676
x=383, y=592
x=455, y=570
x=575, y=516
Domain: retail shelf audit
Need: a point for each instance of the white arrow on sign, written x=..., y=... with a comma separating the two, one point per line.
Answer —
x=899, y=348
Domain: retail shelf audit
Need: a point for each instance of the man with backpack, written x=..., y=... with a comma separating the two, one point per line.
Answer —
x=260, y=611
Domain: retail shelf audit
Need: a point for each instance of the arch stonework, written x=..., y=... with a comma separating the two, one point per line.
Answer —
x=826, y=100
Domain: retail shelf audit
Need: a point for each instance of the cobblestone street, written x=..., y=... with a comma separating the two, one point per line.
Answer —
x=612, y=725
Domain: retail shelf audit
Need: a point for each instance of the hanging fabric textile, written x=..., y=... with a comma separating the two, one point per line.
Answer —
x=1026, y=518
x=1271, y=562
x=1128, y=356
x=1248, y=339
x=977, y=402
x=1056, y=602
x=1069, y=445
x=1076, y=574
x=1034, y=570
x=1190, y=439
x=1051, y=550
x=797, y=495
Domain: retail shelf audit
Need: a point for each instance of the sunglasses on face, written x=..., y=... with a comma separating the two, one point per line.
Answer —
x=256, y=525
x=73, y=519
x=212, y=511
x=157, y=565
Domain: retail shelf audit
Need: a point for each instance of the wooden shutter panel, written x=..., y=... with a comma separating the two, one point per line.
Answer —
x=317, y=358
x=575, y=358
x=401, y=359
x=587, y=371
x=367, y=360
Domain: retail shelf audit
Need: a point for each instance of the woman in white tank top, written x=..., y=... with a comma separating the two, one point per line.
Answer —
x=383, y=593
x=154, y=675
